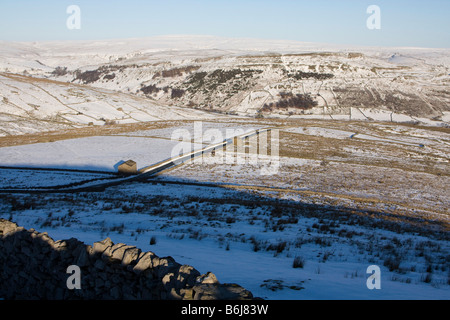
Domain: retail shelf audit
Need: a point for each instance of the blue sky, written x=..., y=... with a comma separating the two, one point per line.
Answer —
x=403, y=22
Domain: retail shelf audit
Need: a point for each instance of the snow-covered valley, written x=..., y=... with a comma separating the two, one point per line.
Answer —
x=361, y=171
x=336, y=213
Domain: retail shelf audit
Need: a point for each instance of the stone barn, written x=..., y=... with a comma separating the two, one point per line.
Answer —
x=128, y=167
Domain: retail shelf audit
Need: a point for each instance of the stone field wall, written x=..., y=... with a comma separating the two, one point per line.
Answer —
x=34, y=266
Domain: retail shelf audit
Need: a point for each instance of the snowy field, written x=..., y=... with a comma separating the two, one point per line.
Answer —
x=13, y=178
x=208, y=228
x=335, y=206
x=91, y=153
x=204, y=132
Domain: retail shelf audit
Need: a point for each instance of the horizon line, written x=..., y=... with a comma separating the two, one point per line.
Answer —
x=273, y=40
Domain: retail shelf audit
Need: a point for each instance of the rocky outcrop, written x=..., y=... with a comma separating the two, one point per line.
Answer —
x=34, y=266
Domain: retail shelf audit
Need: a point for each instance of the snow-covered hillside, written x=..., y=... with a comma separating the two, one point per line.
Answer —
x=240, y=76
x=30, y=105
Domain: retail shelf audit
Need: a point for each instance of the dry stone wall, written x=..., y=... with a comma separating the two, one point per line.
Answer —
x=34, y=266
